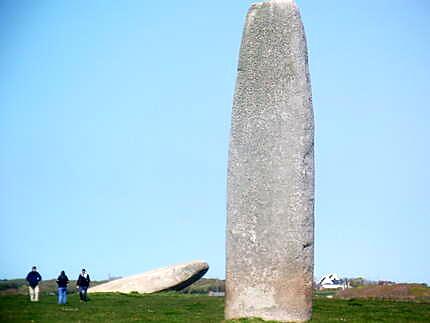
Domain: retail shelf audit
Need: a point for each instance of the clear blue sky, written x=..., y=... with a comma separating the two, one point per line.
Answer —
x=114, y=127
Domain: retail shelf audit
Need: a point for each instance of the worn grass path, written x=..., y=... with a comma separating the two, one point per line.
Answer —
x=190, y=308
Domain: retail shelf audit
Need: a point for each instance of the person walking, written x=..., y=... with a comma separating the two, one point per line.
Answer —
x=33, y=278
x=83, y=283
x=62, y=282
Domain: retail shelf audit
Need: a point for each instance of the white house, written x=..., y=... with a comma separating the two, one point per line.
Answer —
x=332, y=281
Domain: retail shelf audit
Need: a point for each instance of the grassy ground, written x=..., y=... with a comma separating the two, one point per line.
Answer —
x=192, y=308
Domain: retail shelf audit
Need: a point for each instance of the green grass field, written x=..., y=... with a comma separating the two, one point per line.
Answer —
x=192, y=308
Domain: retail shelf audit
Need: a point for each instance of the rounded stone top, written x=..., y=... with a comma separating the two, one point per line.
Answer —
x=288, y=3
x=277, y=1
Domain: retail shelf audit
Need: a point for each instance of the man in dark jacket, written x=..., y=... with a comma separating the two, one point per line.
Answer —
x=83, y=283
x=62, y=282
x=33, y=278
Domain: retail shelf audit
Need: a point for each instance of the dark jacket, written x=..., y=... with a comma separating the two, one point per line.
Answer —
x=83, y=281
x=62, y=281
x=33, y=278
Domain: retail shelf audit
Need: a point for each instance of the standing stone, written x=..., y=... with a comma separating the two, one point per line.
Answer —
x=270, y=221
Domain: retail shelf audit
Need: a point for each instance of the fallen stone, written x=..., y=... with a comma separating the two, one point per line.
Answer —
x=175, y=277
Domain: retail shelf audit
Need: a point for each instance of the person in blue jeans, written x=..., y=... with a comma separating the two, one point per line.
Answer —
x=83, y=283
x=62, y=282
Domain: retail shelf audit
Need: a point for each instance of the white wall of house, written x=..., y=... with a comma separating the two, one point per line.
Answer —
x=332, y=281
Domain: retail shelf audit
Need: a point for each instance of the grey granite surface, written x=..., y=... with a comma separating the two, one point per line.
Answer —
x=270, y=212
x=175, y=277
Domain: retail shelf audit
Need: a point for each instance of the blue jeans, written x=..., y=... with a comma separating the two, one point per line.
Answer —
x=62, y=295
x=83, y=293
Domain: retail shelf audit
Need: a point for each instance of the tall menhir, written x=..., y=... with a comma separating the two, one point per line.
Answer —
x=270, y=220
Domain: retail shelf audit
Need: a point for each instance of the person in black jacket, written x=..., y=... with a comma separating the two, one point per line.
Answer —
x=62, y=282
x=33, y=278
x=83, y=283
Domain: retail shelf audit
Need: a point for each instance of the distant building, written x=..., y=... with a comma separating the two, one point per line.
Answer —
x=216, y=294
x=332, y=281
x=385, y=283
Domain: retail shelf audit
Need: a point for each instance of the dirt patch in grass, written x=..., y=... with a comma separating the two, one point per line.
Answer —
x=400, y=292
